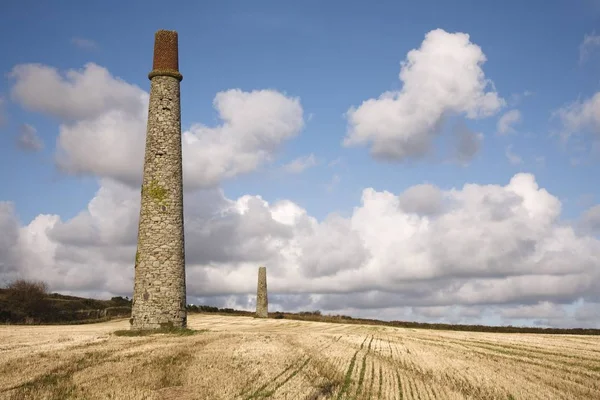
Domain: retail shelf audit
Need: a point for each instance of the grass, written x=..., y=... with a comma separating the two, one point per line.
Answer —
x=58, y=383
x=348, y=377
x=161, y=331
x=172, y=367
x=57, y=387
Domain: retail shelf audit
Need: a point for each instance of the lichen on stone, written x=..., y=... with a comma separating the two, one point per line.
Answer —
x=156, y=192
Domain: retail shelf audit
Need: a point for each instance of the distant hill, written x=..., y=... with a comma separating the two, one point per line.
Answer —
x=54, y=308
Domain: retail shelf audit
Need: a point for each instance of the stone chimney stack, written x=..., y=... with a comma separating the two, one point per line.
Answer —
x=159, y=291
x=262, y=302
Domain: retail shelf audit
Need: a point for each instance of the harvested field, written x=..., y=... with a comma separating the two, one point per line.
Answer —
x=247, y=358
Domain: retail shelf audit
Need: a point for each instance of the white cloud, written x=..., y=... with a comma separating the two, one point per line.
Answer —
x=255, y=124
x=117, y=135
x=78, y=95
x=442, y=77
x=589, y=44
x=107, y=221
x=424, y=199
x=580, y=116
x=28, y=139
x=513, y=158
x=9, y=240
x=466, y=143
x=543, y=309
x=104, y=113
x=300, y=164
x=331, y=247
x=590, y=220
x=83, y=43
x=507, y=121
x=481, y=248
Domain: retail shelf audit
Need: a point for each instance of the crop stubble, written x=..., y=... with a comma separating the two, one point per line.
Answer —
x=247, y=358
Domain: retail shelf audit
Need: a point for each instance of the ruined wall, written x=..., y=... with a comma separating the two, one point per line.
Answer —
x=159, y=289
x=262, y=303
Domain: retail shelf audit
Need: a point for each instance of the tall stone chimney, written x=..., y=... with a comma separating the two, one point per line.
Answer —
x=262, y=302
x=159, y=294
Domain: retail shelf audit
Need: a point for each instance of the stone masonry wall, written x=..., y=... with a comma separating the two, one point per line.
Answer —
x=262, y=303
x=159, y=290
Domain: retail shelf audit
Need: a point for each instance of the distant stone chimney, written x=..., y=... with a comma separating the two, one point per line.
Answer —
x=262, y=302
x=159, y=288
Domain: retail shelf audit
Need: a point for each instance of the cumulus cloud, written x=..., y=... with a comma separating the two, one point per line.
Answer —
x=255, y=124
x=9, y=240
x=117, y=135
x=513, y=158
x=83, y=94
x=469, y=251
x=300, y=164
x=423, y=199
x=588, y=45
x=109, y=220
x=506, y=123
x=335, y=247
x=466, y=143
x=581, y=116
x=590, y=220
x=101, y=112
x=28, y=139
x=442, y=77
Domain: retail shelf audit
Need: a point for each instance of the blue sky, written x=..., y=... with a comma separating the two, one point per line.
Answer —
x=332, y=56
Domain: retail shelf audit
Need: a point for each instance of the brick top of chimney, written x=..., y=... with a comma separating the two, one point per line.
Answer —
x=166, y=55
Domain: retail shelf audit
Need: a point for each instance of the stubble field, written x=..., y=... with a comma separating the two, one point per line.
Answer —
x=248, y=358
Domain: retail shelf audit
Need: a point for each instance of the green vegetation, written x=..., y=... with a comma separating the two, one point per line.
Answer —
x=348, y=377
x=28, y=302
